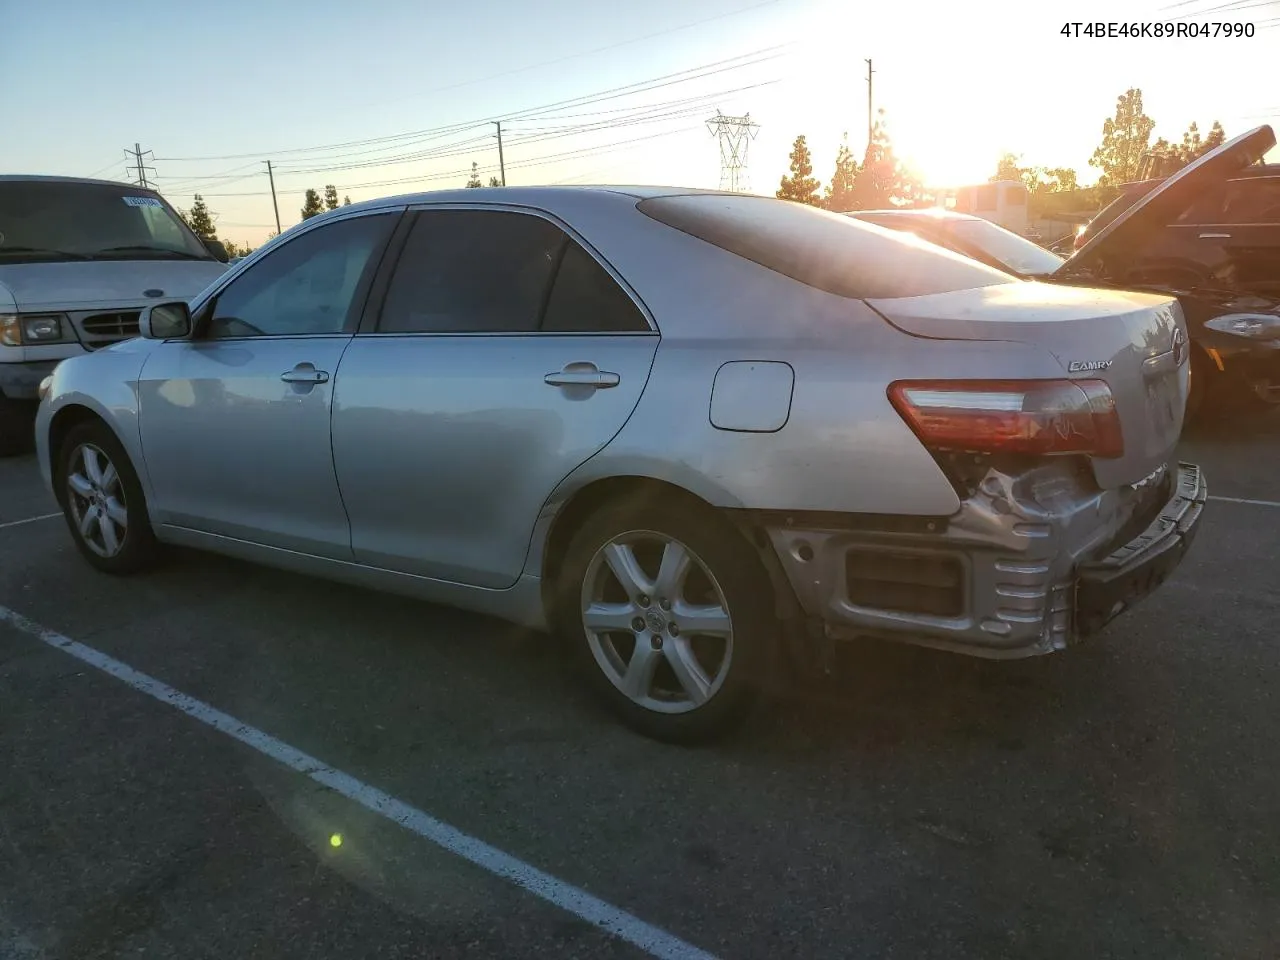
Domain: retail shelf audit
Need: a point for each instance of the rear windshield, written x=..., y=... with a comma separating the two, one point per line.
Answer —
x=824, y=250
x=57, y=220
x=1016, y=253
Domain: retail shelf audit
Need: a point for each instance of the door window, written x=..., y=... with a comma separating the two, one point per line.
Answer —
x=586, y=299
x=492, y=271
x=311, y=285
x=472, y=271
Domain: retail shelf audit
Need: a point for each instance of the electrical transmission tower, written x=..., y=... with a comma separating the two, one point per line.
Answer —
x=137, y=170
x=734, y=134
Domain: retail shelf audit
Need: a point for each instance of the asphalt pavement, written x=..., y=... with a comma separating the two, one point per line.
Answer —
x=1116, y=800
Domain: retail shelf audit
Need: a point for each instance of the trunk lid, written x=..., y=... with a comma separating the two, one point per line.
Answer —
x=1165, y=201
x=1135, y=342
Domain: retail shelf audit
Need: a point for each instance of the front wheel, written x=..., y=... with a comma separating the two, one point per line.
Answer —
x=670, y=616
x=103, y=502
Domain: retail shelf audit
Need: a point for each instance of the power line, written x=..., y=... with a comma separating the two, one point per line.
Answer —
x=735, y=135
x=680, y=76
x=588, y=53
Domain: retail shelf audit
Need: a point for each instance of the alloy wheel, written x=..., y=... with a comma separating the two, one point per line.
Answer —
x=657, y=622
x=96, y=499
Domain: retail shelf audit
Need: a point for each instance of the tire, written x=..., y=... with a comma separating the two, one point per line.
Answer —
x=17, y=426
x=97, y=480
x=723, y=668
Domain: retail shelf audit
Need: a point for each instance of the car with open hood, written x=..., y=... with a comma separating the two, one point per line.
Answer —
x=1209, y=235
x=694, y=433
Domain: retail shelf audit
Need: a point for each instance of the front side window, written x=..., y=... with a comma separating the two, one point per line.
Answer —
x=310, y=285
x=59, y=220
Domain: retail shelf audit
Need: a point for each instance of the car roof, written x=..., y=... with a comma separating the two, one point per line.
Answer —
x=44, y=178
x=529, y=195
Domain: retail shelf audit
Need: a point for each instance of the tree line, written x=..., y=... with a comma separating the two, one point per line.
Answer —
x=1124, y=154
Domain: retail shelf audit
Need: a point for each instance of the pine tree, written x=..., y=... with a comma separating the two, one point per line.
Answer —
x=311, y=205
x=199, y=220
x=330, y=197
x=839, y=196
x=1125, y=138
x=475, y=176
x=801, y=186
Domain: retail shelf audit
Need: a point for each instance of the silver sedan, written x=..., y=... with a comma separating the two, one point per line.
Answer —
x=692, y=433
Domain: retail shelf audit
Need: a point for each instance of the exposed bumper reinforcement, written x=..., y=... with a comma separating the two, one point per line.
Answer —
x=1106, y=588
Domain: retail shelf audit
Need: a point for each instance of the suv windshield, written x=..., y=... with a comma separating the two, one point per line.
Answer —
x=52, y=220
x=1016, y=253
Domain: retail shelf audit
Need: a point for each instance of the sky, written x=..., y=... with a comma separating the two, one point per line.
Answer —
x=393, y=96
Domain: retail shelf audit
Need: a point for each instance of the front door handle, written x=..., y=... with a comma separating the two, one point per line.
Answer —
x=1215, y=236
x=305, y=373
x=582, y=375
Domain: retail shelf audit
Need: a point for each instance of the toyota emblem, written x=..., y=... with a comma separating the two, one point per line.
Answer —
x=1179, y=347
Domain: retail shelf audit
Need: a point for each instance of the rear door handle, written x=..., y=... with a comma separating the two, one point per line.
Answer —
x=582, y=375
x=1215, y=236
x=305, y=373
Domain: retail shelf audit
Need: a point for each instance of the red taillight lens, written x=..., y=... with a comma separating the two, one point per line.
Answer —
x=1044, y=417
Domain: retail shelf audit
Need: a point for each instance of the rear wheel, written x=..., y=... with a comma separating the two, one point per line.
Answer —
x=103, y=501
x=670, y=616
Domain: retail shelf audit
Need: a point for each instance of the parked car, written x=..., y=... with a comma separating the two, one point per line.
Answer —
x=78, y=261
x=973, y=236
x=1209, y=235
x=691, y=432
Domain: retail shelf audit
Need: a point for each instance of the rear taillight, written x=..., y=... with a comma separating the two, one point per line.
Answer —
x=1038, y=417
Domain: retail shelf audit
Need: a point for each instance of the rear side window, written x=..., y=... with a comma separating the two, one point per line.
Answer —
x=472, y=271
x=1252, y=200
x=585, y=299
x=830, y=252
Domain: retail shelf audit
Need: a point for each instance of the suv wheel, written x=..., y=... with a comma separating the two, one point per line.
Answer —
x=670, y=615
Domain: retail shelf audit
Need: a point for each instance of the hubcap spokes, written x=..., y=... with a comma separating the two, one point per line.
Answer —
x=96, y=498
x=657, y=622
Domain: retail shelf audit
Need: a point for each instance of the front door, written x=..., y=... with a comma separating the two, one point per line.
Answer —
x=505, y=356
x=235, y=422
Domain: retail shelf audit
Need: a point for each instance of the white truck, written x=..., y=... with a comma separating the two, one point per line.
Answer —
x=79, y=259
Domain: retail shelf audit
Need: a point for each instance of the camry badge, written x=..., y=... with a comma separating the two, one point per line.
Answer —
x=1077, y=366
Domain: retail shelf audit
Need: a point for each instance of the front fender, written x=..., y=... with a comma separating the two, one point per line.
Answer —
x=104, y=384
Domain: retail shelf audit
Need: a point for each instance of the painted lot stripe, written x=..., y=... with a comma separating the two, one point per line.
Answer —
x=1252, y=503
x=650, y=939
x=18, y=523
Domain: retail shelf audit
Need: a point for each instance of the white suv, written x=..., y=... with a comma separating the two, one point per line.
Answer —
x=79, y=259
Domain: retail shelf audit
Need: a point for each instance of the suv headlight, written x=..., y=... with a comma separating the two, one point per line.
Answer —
x=18, y=329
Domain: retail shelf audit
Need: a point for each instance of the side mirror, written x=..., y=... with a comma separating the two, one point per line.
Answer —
x=165, y=321
x=217, y=249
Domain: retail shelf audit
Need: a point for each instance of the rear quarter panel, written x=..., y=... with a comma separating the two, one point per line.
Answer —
x=843, y=447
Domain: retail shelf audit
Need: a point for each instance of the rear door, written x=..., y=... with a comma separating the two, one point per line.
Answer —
x=505, y=354
x=1242, y=237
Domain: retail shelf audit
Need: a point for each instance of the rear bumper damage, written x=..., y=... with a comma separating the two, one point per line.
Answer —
x=1030, y=564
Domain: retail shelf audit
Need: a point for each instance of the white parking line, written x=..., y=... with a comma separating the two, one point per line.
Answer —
x=650, y=939
x=18, y=523
x=1252, y=503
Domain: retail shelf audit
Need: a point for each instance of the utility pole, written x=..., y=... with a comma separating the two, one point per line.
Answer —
x=138, y=168
x=871, y=123
x=502, y=167
x=272, y=177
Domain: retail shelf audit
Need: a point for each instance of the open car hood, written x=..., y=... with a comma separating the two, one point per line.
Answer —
x=1125, y=231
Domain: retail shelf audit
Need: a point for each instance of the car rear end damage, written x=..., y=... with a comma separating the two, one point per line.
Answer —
x=1071, y=506
x=1032, y=562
